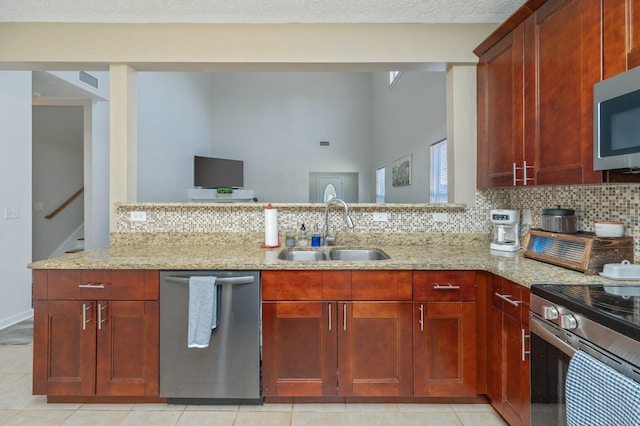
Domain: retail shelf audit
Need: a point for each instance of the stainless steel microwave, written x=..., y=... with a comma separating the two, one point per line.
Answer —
x=616, y=122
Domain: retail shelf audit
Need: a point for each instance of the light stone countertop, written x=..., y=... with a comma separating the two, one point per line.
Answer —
x=228, y=255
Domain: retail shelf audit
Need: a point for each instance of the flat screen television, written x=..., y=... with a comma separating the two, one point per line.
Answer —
x=211, y=172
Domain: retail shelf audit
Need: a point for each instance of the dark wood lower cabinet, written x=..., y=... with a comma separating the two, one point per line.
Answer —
x=374, y=349
x=509, y=362
x=299, y=353
x=96, y=348
x=445, y=349
x=337, y=348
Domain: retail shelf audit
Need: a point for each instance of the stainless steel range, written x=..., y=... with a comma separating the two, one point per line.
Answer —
x=599, y=320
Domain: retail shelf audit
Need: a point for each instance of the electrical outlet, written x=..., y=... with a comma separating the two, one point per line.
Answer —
x=138, y=216
x=440, y=217
x=380, y=217
x=527, y=217
x=11, y=212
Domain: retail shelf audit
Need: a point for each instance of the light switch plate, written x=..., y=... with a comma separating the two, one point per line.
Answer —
x=380, y=217
x=138, y=216
x=12, y=212
x=441, y=217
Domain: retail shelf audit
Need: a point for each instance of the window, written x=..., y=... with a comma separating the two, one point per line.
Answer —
x=439, y=170
x=393, y=77
x=380, y=186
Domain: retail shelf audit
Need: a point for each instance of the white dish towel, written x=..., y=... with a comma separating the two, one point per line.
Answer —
x=596, y=394
x=202, y=310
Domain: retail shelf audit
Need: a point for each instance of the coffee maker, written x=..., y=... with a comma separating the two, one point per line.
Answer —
x=506, y=229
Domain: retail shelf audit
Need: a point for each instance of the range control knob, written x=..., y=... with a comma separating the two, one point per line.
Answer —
x=549, y=312
x=568, y=322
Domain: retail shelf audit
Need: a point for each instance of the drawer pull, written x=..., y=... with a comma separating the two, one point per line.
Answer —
x=505, y=297
x=91, y=285
x=446, y=287
x=421, y=317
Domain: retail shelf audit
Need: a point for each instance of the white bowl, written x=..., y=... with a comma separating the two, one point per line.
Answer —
x=608, y=229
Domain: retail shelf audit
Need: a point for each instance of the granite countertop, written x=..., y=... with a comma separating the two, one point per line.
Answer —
x=250, y=256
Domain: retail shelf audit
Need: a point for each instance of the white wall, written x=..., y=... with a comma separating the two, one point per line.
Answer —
x=97, y=174
x=407, y=119
x=15, y=191
x=174, y=112
x=57, y=143
x=274, y=122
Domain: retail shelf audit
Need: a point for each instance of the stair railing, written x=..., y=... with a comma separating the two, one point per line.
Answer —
x=65, y=204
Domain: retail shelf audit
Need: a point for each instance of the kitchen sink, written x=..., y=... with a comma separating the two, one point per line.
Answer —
x=348, y=254
x=357, y=254
x=294, y=254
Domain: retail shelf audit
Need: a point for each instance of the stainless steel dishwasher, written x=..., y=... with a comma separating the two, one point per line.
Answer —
x=228, y=370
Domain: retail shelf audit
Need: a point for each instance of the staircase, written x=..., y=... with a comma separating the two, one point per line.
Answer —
x=73, y=244
x=79, y=248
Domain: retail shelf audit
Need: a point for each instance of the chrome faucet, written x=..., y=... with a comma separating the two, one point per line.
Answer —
x=347, y=217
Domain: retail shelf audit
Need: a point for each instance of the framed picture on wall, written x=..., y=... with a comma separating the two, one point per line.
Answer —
x=401, y=172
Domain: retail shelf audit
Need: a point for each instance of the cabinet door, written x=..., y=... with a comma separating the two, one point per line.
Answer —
x=516, y=378
x=445, y=349
x=495, y=356
x=500, y=111
x=562, y=62
x=374, y=343
x=299, y=354
x=128, y=348
x=621, y=36
x=64, y=341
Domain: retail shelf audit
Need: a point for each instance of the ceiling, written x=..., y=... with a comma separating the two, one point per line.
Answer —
x=259, y=11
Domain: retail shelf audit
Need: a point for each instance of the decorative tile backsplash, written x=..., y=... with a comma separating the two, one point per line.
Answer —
x=591, y=202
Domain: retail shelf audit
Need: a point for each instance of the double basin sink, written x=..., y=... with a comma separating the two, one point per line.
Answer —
x=348, y=254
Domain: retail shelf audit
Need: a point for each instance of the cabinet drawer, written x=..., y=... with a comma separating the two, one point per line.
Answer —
x=513, y=304
x=443, y=286
x=92, y=284
x=381, y=285
x=292, y=285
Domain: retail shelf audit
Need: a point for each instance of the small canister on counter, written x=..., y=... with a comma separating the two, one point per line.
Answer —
x=559, y=220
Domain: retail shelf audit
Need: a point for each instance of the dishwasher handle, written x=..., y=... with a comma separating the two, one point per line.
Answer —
x=249, y=279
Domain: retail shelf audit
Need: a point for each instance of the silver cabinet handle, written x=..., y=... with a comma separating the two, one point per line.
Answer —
x=515, y=180
x=100, y=320
x=524, y=351
x=446, y=287
x=329, y=316
x=85, y=321
x=505, y=297
x=421, y=317
x=91, y=285
x=344, y=317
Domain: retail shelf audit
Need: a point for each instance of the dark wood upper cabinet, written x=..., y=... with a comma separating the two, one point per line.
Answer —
x=621, y=36
x=500, y=111
x=535, y=97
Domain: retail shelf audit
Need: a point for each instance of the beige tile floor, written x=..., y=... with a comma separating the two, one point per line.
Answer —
x=19, y=407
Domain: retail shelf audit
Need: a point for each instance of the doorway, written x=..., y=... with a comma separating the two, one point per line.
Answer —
x=57, y=174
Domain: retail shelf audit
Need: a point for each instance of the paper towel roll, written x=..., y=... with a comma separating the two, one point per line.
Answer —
x=271, y=227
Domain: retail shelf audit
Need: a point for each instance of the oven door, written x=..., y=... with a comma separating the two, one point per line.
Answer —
x=550, y=357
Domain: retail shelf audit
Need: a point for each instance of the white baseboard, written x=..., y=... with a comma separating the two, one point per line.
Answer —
x=14, y=319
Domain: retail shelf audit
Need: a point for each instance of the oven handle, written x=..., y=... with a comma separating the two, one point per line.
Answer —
x=544, y=331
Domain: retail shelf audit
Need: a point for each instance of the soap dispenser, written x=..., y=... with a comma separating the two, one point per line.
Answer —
x=303, y=238
x=316, y=239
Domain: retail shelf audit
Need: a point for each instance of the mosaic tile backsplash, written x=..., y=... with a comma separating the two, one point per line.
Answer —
x=591, y=202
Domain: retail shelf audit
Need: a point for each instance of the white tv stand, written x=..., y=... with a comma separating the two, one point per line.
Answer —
x=204, y=195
